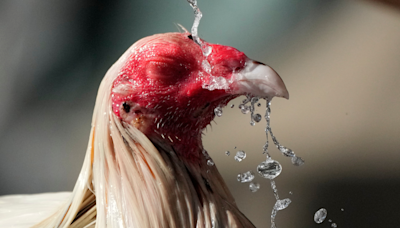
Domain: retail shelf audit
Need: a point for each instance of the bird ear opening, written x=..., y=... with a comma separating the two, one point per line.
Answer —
x=131, y=113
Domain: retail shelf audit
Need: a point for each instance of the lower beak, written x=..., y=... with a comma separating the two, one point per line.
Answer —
x=259, y=80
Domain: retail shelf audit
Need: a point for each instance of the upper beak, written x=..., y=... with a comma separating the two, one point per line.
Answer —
x=259, y=80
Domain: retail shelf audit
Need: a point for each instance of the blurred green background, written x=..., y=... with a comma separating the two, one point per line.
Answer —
x=340, y=61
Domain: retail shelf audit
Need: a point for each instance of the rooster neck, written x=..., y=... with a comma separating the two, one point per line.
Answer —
x=147, y=182
x=198, y=192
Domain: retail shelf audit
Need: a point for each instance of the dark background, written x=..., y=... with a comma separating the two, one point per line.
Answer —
x=340, y=61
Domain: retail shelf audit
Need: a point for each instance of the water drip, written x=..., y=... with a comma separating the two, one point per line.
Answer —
x=240, y=156
x=320, y=215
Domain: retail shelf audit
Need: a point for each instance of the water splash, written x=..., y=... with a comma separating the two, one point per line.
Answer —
x=204, y=47
x=268, y=169
x=279, y=204
x=284, y=150
x=197, y=17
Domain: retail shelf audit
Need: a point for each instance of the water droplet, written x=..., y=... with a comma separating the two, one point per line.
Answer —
x=254, y=99
x=259, y=104
x=286, y=151
x=282, y=204
x=245, y=177
x=210, y=162
x=215, y=82
x=265, y=148
x=206, y=50
x=253, y=186
x=212, y=223
x=227, y=153
x=320, y=215
x=297, y=161
x=330, y=220
x=342, y=209
x=252, y=123
x=333, y=225
x=269, y=169
x=274, y=189
x=218, y=111
x=197, y=18
x=240, y=155
x=232, y=105
x=244, y=108
x=257, y=117
x=205, y=154
x=291, y=193
x=235, y=147
x=206, y=66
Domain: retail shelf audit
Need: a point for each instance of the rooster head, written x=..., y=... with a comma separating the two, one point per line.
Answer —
x=144, y=164
x=170, y=85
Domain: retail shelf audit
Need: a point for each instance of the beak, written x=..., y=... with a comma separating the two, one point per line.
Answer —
x=259, y=80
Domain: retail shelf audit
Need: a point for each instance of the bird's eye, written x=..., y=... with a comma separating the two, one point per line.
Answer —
x=190, y=37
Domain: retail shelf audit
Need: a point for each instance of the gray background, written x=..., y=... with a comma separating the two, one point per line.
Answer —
x=340, y=61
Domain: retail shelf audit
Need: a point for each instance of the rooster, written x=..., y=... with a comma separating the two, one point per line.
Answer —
x=145, y=165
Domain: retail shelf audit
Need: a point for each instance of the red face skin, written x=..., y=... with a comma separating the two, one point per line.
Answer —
x=163, y=94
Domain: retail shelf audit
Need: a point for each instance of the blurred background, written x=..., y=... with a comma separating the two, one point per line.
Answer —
x=340, y=61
